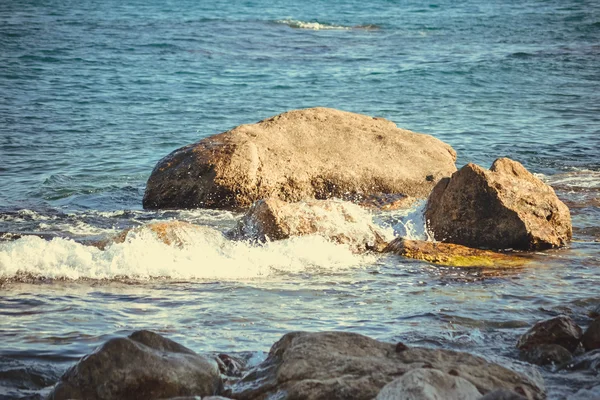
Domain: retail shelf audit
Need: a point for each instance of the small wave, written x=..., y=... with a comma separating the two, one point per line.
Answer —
x=317, y=26
x=207, y=254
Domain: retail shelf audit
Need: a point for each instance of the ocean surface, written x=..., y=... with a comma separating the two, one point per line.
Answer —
x=94, y=93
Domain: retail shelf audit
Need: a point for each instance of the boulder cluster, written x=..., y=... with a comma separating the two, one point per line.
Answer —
x=301, y=365
x=306, y=172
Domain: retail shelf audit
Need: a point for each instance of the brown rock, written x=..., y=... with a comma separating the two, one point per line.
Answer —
x=176, y=233
x=313, y=153
x=453, y=255
x=591, y=337
x=547, y=354
x=561, y=330
x=144, y=365
x=428, y=384
x=387, y=202
x=342, y=365
x=336, y=220
x=505, y=207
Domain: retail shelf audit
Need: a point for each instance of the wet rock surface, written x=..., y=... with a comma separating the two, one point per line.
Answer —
x=340, y=365
x=144, y=365
x=453, y=255
x=591, y=336
x=429, y=384
x=561, y=330
x=339, y=221
x=547, y=354
x=500, y=208
x=313, y=153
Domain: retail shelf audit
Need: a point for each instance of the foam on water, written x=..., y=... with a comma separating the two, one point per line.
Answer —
x=206, y=254
x=315, y=26
x=412, y=225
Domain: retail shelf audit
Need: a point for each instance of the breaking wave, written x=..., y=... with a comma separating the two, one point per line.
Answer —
x=317, y=26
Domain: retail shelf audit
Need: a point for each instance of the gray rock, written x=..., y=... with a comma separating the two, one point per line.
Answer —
x=503, y=394
x=303, y=154
x=341, y=365
x=591, y=336
x=561, y=330
x=587, y=361
x=144, y=365
x=546, y=354
x=428, y=384
x=500, y=208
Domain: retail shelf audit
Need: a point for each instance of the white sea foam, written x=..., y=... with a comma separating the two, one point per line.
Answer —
x=413, y=225
x=315, y=26
x=206, y=254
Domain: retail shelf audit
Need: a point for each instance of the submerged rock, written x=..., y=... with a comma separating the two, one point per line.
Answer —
x=313, y=153
x=429, y=384
x=342, y=365
x=453, y=255
x=505, y=207
x=591, y=336
x=588, y=361
x=339, y=221
x=561, y=330
x=144, y=365
x=546, y=354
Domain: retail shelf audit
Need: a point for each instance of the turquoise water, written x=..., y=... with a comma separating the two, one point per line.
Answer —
x=95, y=93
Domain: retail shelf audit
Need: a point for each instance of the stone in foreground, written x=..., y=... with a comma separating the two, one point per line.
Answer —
x=339, y=221
x=561, y=330
x=313, y=153
x=342, y=365
x=505, y=207
x=429, y=384
x=453, y=255
x=144, y=365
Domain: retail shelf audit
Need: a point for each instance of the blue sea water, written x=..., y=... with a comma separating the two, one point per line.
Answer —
x=93, y=94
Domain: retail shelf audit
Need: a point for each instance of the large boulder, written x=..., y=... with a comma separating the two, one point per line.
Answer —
x=505, y=207
x=313, y=153
x=453, y=255
x=561, y=330
x=144, y=365
x=339, y=221
x=342, y=365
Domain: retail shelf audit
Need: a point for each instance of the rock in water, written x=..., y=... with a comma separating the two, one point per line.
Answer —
x=591, y=337
x=313, y=153
x=172, y=233
x=505, y=207
x=547, y=354
x=561, y=330
x=453, y=255
x=343, y=365
x=339, y=221
x=144, y=365
x=429, y=384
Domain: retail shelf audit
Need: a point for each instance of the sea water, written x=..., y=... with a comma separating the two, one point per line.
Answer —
x=95, y=93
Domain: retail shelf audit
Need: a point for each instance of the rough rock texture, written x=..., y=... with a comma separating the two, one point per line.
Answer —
x=502, y=394
x=591, y=336
x=505, y=207
x=144, y=365
x=387, y=202
x=429, y=384
x=176, y=233
x=546, y=354
x=561, y=330
x=342, y=365
x=453, y=255
x=339, y=221
x=312, y=153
